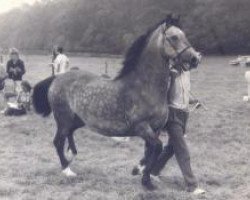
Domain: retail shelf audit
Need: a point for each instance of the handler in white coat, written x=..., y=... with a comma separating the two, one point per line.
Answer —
x=61, y=62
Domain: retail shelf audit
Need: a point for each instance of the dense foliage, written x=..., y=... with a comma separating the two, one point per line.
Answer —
x=109, y=26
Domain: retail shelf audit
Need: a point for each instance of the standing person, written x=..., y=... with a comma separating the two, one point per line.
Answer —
x=53, y=58
x=15, y=69
x=61, y=61
x=179, y=99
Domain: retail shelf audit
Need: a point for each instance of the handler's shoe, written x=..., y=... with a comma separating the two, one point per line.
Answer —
x=198, y=191
x=3, y=111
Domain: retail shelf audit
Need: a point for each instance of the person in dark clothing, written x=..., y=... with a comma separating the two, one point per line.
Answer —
x=15, y=66
x=15, y=69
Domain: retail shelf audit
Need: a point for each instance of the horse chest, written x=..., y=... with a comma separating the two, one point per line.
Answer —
x=145, y=106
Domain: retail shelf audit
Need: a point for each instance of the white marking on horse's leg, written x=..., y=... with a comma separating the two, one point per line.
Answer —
x=141, y=168
x=68, y=172
x=155, y=178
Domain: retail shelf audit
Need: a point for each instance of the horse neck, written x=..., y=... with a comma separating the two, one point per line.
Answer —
x=151, y=74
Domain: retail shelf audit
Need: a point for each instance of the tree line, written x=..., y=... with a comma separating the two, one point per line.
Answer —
x=110, y=26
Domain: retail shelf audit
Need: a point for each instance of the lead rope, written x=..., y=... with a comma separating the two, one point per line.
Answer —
x=183, y=90
x=198, y=104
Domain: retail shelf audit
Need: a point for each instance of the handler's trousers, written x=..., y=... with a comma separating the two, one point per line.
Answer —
x=177, y=146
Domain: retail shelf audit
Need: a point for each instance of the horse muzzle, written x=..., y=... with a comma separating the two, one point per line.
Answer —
x=195, y=61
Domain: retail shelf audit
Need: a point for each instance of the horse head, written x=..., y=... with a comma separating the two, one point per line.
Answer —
x=176, y=45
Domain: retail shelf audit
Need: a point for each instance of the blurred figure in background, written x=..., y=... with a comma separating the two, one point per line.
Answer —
x=54, y=53
x=53, y=57
x=24, y=97
x=3, y=74
x=60, y=61
x=1, y=59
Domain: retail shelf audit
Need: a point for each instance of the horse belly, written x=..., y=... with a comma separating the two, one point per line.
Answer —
x=110, y=128
x=160, y=119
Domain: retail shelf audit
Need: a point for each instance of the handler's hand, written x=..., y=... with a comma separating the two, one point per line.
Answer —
x=193, y=101
x=173, y=73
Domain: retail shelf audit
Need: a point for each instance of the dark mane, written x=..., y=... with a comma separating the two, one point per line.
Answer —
x=133, y=54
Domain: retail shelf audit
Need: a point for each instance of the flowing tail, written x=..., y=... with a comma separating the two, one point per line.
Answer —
x=40, y=97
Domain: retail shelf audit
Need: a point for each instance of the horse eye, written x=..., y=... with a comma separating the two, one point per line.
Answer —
x=174, y=38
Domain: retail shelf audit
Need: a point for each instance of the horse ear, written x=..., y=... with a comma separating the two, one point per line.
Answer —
x=178, y=18
x=168, y=19
x=172, y=20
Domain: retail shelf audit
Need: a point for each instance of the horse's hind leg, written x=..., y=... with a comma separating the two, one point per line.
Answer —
x=59, y=142
x=77, y=123
x=72, y=145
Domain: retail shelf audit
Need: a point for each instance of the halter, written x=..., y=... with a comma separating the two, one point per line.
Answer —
x=178, y=53
x=176, y=60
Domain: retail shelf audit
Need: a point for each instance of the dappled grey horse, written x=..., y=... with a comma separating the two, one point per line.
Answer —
x=132, y=104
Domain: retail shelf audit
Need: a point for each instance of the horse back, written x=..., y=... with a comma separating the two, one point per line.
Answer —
x=62, y=85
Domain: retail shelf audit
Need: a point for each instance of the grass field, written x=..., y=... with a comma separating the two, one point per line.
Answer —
x=219, y=141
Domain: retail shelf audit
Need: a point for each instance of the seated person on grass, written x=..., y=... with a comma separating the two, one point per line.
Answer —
x=23, y=102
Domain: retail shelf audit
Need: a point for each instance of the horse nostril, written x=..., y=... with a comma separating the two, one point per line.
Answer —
x=194, y=60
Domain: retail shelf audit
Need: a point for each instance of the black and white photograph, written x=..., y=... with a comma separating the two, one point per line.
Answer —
x=124, y=99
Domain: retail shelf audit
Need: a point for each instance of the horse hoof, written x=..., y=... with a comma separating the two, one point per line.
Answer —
x=68, y=172
x=147, y=184
x=135, y=171
x=138, y=170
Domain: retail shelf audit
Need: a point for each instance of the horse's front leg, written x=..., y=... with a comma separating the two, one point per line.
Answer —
x=138, y=170
x=154, y=147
